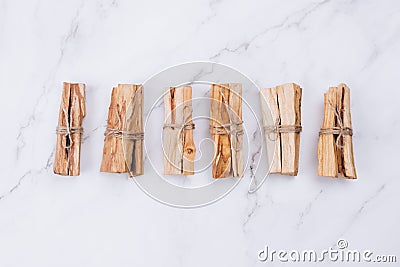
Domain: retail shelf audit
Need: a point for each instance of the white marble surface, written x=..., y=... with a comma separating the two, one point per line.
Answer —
x=106, y=220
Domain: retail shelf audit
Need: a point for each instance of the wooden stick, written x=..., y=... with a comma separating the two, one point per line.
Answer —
x=134, y=148
x=221, y=166
x=235, y=103
x=348, y=169
x=189, y=148
x=171, y=138
x=339, y=139
x=327, y=158
x=289, y=99
x=72, y=112
x=179, y=148
x=118, y=150
x=269, y=99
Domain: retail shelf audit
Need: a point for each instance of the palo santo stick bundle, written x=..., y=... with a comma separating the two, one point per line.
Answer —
x=69, y=130
x=335, y=144
x=123, y=142
x=179, y=148
x=226, y=127
x=284, y=102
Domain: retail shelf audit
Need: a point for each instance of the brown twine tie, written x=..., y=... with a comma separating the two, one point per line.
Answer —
x=337, y=130
x=126, y=135
x=277, y=129
x=233, y=129
x=68, y=130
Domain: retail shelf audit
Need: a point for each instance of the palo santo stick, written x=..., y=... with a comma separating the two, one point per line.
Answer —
x=189, y=148
x=284, y=102
x=348, y=169
x=327, y=158
x=235, y=103
x=120, y=140
x=69, y=130
x=221, y=166
x=289, y=99
x=133, y=147
x=335, y=147
x=226, y=130
x=171, y=138
x=339, y=139
x=179, y=148
x=269, y=98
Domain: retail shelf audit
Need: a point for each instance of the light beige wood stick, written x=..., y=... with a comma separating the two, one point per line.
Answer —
x=221, y=166
x=69, y=130
x=171, y=137
x=269, y=103
x=289, y=100
x=179, y=148
x=133, y=148
x=327, y=154
x=123, y=142
x=189, y=148
x=235, y=104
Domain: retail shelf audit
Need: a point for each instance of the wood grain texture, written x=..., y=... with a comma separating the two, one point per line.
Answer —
x=189, y=148
x=289, y=100
x=133, y=149
x=171, y=138
x=221, y=166
x=118, y=153
x=327, y=157
x=179, y=148
x=72, y=112
x=348, y=169
x=269, y=103
x=235, y=103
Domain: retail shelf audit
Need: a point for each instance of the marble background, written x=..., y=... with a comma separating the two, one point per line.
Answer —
x=102, y=219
